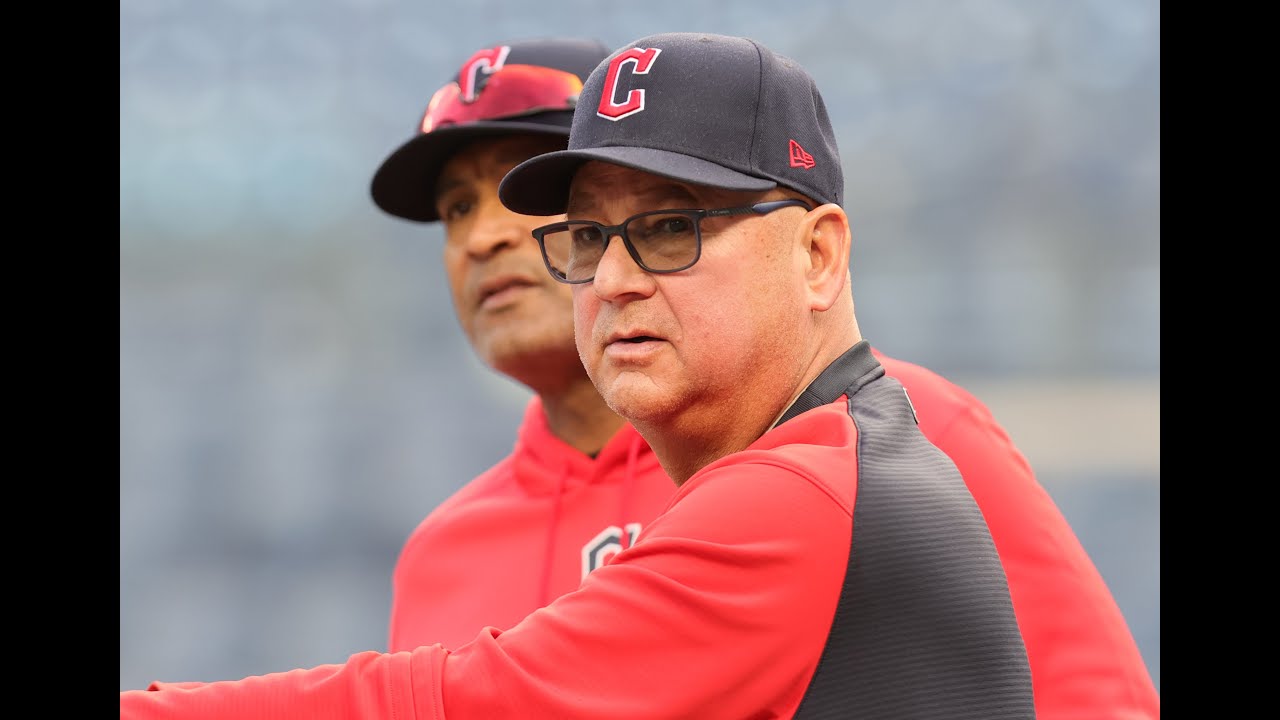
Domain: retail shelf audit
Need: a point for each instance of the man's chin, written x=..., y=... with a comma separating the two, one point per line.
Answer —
x=525, y=358
x=635, y=397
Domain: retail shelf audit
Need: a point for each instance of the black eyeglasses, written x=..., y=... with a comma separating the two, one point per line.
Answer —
x=660, y=241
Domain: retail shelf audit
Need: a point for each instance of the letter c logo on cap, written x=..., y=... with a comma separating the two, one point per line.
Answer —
x=641, y=60
x=484, y=61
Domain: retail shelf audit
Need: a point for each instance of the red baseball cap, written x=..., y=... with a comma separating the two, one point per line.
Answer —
x=527, y=86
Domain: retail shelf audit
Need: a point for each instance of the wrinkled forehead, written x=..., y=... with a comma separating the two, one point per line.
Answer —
x=600, y=186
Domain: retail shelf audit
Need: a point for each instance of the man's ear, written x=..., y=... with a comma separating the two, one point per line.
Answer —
x=826, y=237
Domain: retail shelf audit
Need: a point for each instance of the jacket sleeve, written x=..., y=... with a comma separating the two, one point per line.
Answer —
x=368, y=685
x=720, y=610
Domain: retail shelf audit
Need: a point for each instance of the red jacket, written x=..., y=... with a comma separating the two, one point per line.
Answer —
x=552, y=514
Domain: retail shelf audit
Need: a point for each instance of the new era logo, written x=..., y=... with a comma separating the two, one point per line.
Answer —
x=800, y=157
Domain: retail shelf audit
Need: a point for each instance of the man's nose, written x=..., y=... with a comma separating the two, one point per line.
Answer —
x=618, y=273
x=496, y=229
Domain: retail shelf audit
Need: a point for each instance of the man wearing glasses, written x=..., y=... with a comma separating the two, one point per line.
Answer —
x=580, y=484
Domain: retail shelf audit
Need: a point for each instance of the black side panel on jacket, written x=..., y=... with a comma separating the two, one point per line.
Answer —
x=924, y=626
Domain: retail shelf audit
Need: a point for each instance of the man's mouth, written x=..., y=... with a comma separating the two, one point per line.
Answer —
x=495, y=291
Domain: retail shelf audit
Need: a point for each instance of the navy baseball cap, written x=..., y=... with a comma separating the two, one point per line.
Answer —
x=706, y=109
x=527, y=86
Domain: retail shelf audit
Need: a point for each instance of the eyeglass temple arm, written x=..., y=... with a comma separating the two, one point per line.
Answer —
x=759, y=208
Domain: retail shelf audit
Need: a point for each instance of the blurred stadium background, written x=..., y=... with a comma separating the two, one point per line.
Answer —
x=294, y=392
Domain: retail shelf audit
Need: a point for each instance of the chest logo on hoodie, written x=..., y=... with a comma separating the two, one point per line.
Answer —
x=607, y=543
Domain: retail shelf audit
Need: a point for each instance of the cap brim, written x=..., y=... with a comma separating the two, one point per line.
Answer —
x=404, y=184
x=540, y=185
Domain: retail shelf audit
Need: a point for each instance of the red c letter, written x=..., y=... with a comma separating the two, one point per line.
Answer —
x=642, y=61
x=484, y=60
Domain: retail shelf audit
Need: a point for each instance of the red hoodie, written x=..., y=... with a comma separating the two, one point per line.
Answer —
x=549, y=512
x=523, y=533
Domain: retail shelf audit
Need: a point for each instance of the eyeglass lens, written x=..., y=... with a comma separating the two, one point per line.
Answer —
x=662, y=241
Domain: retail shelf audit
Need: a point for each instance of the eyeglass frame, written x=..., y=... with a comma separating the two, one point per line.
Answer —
x=608, y=232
